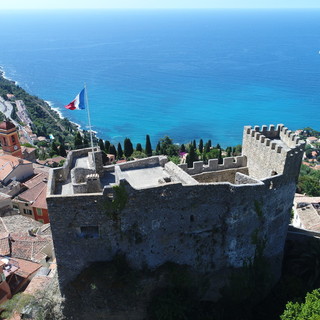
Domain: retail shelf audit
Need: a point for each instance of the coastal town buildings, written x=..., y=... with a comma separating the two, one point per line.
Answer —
x=9, y=139
x=14, y=169
x=32, y=202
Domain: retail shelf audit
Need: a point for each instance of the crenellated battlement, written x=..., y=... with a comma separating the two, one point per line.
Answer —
x=153, y=211
x=213, y=165
x=267, y=149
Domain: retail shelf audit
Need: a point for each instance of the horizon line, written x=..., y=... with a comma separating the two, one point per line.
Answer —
x=164, y=8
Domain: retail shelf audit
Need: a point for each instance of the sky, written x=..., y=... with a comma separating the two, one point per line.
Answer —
x=153, y=4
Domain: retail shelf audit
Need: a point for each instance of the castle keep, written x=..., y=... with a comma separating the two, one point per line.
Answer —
x=209, y=217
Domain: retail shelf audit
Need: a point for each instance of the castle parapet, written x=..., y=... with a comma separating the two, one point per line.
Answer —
x=213, y=165
x=268, y=149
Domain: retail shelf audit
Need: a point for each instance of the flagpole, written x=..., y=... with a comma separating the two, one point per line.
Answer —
x=90, y=128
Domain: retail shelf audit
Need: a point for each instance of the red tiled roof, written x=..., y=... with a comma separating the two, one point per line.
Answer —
x=37, y=283
x=4, y=244
x=36, y=195
x=28, y=247
x=26, y=268
x=27, y=149
x=6, y=125
x=31, y=183
x=8, y=163
x=41, y=201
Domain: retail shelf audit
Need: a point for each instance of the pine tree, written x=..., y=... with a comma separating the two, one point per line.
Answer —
x=148, y=146
x=139, y=147
x=158, y=148
x=119, y=151
x=107, y=146
x=113, y=150
x=101, y=144
x=85, y=141
x=220, y=160
x=128, y=148
x=78, y=141
x=194, y=144
x=201, y=146
x=191, y=157
x=54, y=148
x=62, y=151
x=209, y=143
x=182, y=148
x=228, y=150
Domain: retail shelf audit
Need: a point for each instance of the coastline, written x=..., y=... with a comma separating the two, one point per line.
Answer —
x=3, y=75
x=49, y=103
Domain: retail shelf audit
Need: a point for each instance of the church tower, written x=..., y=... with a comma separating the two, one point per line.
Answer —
x=9, y=139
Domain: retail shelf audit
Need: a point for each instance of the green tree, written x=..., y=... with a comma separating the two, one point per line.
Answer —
x=54, y=149
x=191, y=157
x=158, y=148
x=113, y=150
x=309, y=181
x=78, y=141
x=138, y=155
x=119, y=151
x=207, y=147
x=101, y=145
x=194, y=144
x=148, y=150
x=182, y=148
x=308, y=310
x=107, y=146
x=128, y=148
x=167, y=147
x=62, y=151
x=86, y=143
x=201, y=146
x=139, y=147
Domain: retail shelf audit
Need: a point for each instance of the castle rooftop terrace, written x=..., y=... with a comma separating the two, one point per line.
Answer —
x=148, y=177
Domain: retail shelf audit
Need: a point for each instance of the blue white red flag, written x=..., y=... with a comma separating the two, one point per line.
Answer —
x=78, y=102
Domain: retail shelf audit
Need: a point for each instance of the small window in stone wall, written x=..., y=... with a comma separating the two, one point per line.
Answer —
x=192, y=218
x=88, y=232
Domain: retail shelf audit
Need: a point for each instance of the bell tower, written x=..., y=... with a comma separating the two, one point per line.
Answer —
x=9, y=139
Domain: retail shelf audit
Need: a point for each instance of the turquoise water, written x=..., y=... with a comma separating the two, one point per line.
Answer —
x=187, y=74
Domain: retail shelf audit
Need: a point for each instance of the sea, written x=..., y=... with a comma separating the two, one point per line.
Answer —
x=187, y=74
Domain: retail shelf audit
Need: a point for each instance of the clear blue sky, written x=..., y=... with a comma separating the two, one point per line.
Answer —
x=136, y=4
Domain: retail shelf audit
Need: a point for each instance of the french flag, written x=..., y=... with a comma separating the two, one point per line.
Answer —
x=78, y=102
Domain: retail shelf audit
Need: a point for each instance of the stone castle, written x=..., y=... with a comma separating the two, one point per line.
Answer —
x=209, y=217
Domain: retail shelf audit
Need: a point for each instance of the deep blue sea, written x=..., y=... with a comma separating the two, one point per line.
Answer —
x=189, y=74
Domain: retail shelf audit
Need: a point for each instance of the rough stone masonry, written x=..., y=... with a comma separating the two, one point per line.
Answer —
x=208, y=217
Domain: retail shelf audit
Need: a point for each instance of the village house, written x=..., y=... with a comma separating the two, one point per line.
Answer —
x=311, y=140
x=306, y=213
x=14, y=169
x=32, y=202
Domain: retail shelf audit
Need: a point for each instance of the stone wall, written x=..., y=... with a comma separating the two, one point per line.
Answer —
x=213, y=165
x=267, y=155
x=209, y=227
x=212, y=227
x=227, y=175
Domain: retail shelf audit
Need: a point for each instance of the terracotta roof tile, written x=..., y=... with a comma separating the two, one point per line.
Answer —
x=28, y=247
x=6, y=125
x=36, y=179
x=36, y=195
x=9, y=163
x=26, y=268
